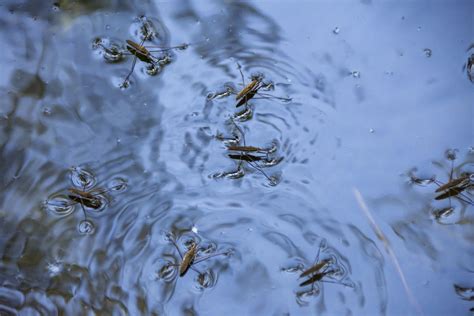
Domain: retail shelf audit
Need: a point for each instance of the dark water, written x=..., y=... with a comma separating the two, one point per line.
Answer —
x=379, y=91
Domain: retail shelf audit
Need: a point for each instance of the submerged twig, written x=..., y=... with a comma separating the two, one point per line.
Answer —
x=388, y=248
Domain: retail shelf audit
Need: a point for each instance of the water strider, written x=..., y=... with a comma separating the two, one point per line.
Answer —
x=144, y=54
x=241, y=153
x=191, y=258
x=319, y=270
x=252, y=89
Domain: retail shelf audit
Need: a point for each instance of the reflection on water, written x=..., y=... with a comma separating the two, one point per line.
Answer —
x=246, y=144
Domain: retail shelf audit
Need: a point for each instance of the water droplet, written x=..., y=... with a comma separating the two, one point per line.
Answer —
x=355, y=74
x=371, y=130
x=107, y=27
x=46, y=111
x=118, y=140
x=54, y=268
x=194, y=229
x=428, y=52
x=418, y=28
x=86, y=227
x=336, y=30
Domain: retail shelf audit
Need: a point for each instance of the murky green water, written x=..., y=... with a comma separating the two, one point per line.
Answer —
x=97, y=180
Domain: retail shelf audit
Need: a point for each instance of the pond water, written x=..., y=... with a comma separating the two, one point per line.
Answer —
x=361, y=110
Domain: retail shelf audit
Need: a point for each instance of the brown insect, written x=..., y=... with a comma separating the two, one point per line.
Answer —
x=245, y=157
x=247, y=149
x=252, y=89
x=144, y=54
x=455, y=187
x=318, y=271
x=88, y=199
x=190, y=257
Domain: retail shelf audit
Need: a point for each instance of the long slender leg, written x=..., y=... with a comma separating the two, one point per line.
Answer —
x=82, y=206
x=133, y=63
x=466, y=199
x=269, y=96
x=210, y=256
x=176, y=246
x=258, y=168
x=337, y=282
x=131, y=70
x=195, y=270
x=241, y=73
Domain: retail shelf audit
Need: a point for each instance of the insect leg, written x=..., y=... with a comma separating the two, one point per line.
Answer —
x=269, y=96
x=176, y=246
x=210, y=256
x=241, y=73
x=131, y=70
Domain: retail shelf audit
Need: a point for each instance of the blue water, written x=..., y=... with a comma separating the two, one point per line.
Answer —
x=379, y=91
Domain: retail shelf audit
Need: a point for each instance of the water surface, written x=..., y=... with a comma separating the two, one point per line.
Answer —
x=378, y=91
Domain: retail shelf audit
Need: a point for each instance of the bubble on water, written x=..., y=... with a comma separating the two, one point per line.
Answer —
x=371, y=130
x=336, y=30
x=54, y=268
x=428, y=52
x=205, y=280
x=86, y=227
x=107, y=27
x=418, y=28
x=59, y=205
x=46, y=111
x=82, y=178
x=355, y=74
x=194, y=229
x=118, y=184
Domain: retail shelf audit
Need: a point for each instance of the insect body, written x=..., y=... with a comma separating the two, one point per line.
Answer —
x=454, y=187
x=191, y=258
x=85, y=198
x=144, y=54
x=188, y=259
